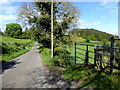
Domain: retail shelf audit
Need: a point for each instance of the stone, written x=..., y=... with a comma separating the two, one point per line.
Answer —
x=60, y=82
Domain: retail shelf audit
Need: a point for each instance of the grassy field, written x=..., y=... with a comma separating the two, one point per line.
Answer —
x=91, y=48
x=13, y=40
x=12, y=47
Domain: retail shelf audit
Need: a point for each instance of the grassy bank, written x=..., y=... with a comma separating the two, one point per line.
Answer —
x=46, y=56
x=12, y=48
x=13, y=40
x=88, y=76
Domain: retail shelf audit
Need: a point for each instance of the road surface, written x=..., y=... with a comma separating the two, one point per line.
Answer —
x=20, y=75
x=27, y=71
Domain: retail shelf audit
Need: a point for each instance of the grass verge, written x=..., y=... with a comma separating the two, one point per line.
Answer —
x=88, y=76
x=46, y=55
x=13, y=50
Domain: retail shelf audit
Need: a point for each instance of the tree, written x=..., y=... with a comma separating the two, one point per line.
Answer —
x=13, y=30
x=84, y=35
x=93, y=37
x=105, y=41
x=38, y=15
x=100, y=38
x=88, y=38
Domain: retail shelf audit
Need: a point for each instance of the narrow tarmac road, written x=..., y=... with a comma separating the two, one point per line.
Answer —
x=20, y=75
x=28, y=71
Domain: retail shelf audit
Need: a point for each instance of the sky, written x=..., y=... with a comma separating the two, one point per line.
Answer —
x=99, y=15
x=102, y=16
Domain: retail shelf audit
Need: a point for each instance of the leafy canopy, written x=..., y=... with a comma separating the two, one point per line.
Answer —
x=13, y=30
x=38, y=16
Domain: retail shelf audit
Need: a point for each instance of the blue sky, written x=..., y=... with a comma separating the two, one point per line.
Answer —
x=98, y=15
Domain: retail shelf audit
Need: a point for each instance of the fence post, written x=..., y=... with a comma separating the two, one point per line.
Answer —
x=111, y=54
x=95, y=55
x=100, y=57
x=75, y=53
x=87, y=56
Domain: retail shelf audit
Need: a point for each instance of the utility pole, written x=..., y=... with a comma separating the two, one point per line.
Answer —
x=52, y=29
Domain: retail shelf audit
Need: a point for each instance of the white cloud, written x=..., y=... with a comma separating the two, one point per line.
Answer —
x=4, y=2
x=8, y=9
x=114, y=32
x=104, y=2
x=8, y=17
x=85, y=24
x=7, y=13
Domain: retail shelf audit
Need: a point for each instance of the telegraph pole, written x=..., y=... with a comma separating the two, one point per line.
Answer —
x=52, y=29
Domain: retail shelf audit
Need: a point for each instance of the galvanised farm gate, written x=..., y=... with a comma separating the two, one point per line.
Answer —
x=104, y=56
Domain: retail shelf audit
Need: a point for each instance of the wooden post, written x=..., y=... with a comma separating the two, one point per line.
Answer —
x=95, y=55
x=101, y=62
x=75, y=52
x=87, y=56
x=111, y=54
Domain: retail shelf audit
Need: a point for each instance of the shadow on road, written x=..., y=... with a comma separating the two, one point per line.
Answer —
x=54, y=80
x=7, y=65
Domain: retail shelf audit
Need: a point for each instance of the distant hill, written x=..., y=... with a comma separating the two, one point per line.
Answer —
x=90, y=32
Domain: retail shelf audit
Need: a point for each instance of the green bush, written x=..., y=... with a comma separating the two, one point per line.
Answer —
x=4, y=48
x=55, y=60
x=63, y=54
x=88, y=39
x=60, y=50
x=41, y=47
x=47, y=51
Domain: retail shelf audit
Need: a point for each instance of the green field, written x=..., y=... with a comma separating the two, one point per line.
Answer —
x=91, y=48
x=12, y=47
x=13, y=40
